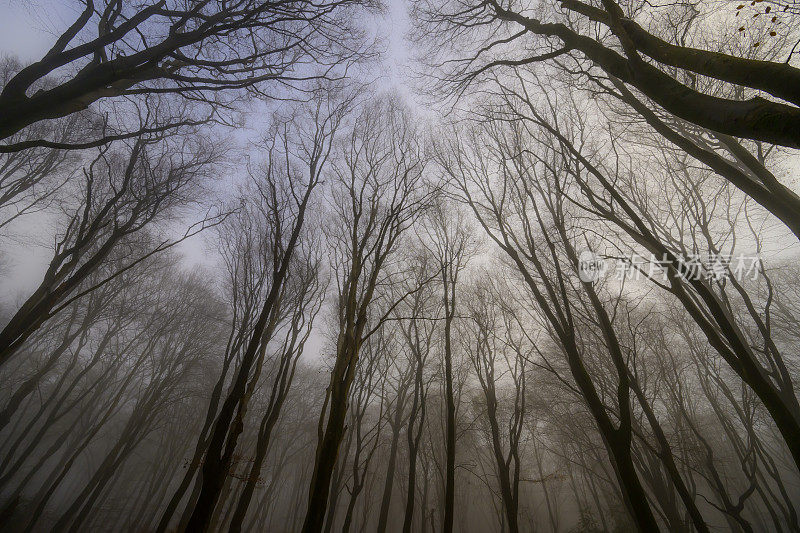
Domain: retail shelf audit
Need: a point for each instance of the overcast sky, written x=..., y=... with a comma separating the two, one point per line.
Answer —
x=28, y=28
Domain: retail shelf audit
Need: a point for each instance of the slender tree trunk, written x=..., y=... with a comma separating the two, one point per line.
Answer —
x=388, y=484
x=503, y=474
x=341, y=379
x=550, y=511
x=199, y=451
x=336, y=490
x=413, y=450
x=32, y=382
x=351, y=505
x=262, y=446
x=668, y=460
x=450, y=448
x=230, y=422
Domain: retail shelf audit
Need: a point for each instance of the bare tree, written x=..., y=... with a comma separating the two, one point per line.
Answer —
x=418, y=336
x=305, y=303
x=284, y=192
x=698, y=296
x=30, y=179
x=130, y=380
x=490, y=378
x=553, y=292
x=500, y=363
x=367, y=385
x=634, y=55
x=124, y=190
x=376, y=196
x=450, y=249
x=400, y=377
x=711, y=90
x=195, y=51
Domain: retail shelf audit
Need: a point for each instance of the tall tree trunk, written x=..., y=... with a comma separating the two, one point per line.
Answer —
x=262, y=446
x=327, y=454
x=413, y=450
x=668, y=460
x=448, y=287
x=199, y=451
x=503, y=474
x=388, y=484
x=230, y=422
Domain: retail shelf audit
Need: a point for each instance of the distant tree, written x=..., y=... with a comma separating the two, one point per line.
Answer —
x=126, y=188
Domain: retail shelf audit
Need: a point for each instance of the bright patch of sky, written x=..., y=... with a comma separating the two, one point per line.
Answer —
x=28, y=28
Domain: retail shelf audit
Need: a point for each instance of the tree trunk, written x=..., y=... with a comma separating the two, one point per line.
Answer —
x=450, y=466
x=388, y=484
x=341, y=379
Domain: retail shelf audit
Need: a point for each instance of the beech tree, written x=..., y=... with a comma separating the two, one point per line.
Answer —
x=699, y=296
x=498, y=354
x=123, y=189
x=529, y=249
x=450, y=250
x=701, y=94
x=552, y=286
x=194, y=51
x=284, y=191
x=378, y=193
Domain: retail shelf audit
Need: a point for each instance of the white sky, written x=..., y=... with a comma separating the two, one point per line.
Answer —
x=28, y=29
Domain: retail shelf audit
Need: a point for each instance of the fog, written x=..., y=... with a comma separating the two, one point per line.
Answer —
x=404, y=266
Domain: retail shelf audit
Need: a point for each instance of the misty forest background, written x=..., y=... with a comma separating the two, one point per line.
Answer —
x=314, y=266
